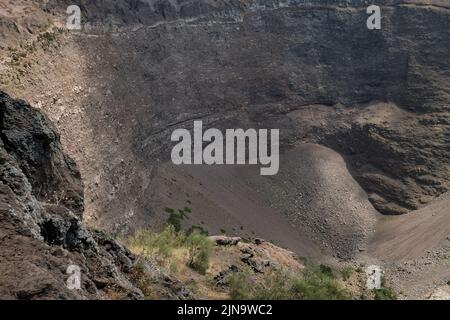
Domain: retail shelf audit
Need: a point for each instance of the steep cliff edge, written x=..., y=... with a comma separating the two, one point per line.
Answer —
x=41, y=209
x=41, y=231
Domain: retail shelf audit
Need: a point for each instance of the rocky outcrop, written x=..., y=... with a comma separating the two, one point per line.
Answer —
x=32, y=142
x=225, y=241
x=41, y=209
x=41, y=231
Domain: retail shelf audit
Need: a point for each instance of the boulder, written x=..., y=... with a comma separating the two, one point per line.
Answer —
x=225, y=241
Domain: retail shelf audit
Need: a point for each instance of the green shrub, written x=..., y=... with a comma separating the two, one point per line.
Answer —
x=326, y=270
x=198, y=229
x=346, y=273
x=143, y=280
x=319, y=284
x=169, y=210
x=316, y=283
x=175, y=218
x=384, y=293
x=241, y=286
x=277, y=286
x=151, y=243
x=302, y=259
x=175, y=221
x=199, y=249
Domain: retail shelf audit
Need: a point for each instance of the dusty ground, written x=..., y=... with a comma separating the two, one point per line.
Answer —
x=312, y=200
x=415, y=251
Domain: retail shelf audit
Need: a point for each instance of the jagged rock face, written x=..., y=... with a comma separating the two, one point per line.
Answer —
x=53, y=176
x=39, y=233
x=40, y=236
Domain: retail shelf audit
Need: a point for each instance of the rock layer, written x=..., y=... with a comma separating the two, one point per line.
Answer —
x=156, y=66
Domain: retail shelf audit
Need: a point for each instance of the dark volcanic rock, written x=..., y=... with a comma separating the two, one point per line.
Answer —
x=225, y=241
x=53, y=176
x=40, y=235
x=223, y=278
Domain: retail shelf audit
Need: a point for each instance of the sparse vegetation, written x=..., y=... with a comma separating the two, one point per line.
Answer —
x=199, y=249
x=157, y=245
x=160, y=246
x=142, y=280
x=384, y=293
x=182, y=253
x=326, y=270
x=47, y=38
x=169, y=210
x=346, y=273
x=198, y=229
x=241, y=286
x=319, y=284
x=277, y=286
x=315, y=283
x=175, y=218
x=302, y=259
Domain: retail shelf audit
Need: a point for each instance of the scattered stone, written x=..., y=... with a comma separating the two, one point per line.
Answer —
x=255, y=264
x=225, y=241
x=248, y=250
x=222, y=279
